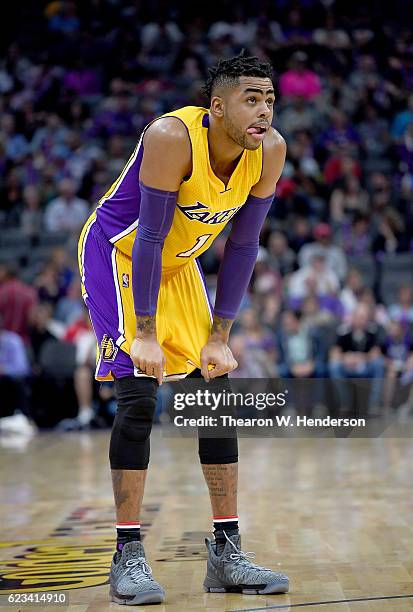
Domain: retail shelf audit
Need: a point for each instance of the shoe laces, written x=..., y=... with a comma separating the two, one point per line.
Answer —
x=243, y=558
x=139, y=569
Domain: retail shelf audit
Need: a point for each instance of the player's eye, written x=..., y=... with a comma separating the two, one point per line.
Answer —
x=252, y=99
x=270, y=101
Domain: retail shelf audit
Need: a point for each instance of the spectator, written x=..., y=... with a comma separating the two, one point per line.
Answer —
x=31, y=218
x=16, y=145
x=350, y=294
x=256, y=336
x=81, y=334
x=64, y=20
x=355, y=238
x=296, y=347
x=397, y=347
x=270, y=310
x=377, y=312
x=347, y=200
x=115, y=117
x=298, y=115
x=331, y=36
x=49, y=138
x=341, y=134
x=10, y=196
x=67, y=212
x=314, y=316
x=42, y=328
x=83, y=81
x=295, y=33
x=334, y=255
x=17, y=299
x=402, y=310
x=266, y=278
x=357, y=354
x=299, y=233
x=299, y=80
x=47, y=284
x=252, y=363
x=402, y=120
x=390, y=237
x=70, y=307
x=280, y=256
x=316, y=278
x=160, y=44
x=375, y=139
x=14, y=369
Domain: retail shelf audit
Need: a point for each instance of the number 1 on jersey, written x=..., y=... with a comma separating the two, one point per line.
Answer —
x=200, y=241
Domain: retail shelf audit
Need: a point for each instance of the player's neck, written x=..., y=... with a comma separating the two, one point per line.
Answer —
x=224, y=153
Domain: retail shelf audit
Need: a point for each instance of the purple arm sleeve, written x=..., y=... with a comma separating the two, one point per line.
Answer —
x=240, y=254
x=155, y=219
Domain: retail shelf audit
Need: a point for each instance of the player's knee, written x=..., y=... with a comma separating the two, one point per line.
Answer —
x=136, y=408
x=129, y=443
x=218, y=450
x=136, y=419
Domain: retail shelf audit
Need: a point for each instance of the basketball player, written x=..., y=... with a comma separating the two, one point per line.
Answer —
x=192, y=172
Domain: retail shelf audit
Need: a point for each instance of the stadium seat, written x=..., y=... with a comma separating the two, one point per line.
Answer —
x=53, y=395
x=390, y=284
x=367, y=267
x=28, y=274
x=12, y=253
x=395, y=270
x=53, y=239
x=58, y=358
x=397, y=262
x=12, y=237
x=39, y=255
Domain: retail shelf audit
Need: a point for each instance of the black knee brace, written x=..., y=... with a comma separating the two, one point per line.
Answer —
x=218, y=450
x=129, y=442
x=213, y=449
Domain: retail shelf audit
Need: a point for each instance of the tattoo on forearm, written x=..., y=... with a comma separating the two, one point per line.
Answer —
x=120, y=495
x=221, y=326
x=146, y=325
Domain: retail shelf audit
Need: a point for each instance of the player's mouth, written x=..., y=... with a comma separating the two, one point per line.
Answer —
x=258, y=130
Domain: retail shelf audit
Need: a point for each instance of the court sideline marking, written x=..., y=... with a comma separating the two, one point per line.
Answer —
x=322, y=603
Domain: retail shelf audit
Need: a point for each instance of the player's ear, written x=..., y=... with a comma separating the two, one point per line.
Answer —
x=217, y=106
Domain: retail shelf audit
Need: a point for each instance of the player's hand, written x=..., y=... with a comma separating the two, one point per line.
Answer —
x=148, y=356
x=217, y=354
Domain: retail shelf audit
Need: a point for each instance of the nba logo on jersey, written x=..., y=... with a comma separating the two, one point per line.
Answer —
x=125, y=280
x=109, y=349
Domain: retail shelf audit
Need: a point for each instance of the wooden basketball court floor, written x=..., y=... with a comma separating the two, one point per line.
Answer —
x=335, y=514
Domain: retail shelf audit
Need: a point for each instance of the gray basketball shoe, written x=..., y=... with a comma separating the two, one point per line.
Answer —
x=233, y=572
x=130, y=578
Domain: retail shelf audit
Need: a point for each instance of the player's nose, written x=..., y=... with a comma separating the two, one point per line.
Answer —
x=264, y=111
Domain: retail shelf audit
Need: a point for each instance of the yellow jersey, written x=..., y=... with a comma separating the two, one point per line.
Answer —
x=204, y=204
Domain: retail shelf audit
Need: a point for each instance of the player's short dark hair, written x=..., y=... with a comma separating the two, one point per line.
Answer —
x=228, y=71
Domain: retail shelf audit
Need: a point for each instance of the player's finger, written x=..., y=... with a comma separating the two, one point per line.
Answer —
x=204, y=368
x=219, y=370
x=140, y=365
x=150, y=369
x=158, y=372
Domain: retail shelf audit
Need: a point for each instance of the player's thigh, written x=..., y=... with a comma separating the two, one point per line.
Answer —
x=106, y=303
x=187, y=313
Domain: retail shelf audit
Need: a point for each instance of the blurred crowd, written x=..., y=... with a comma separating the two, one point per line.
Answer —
x=331, y=294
